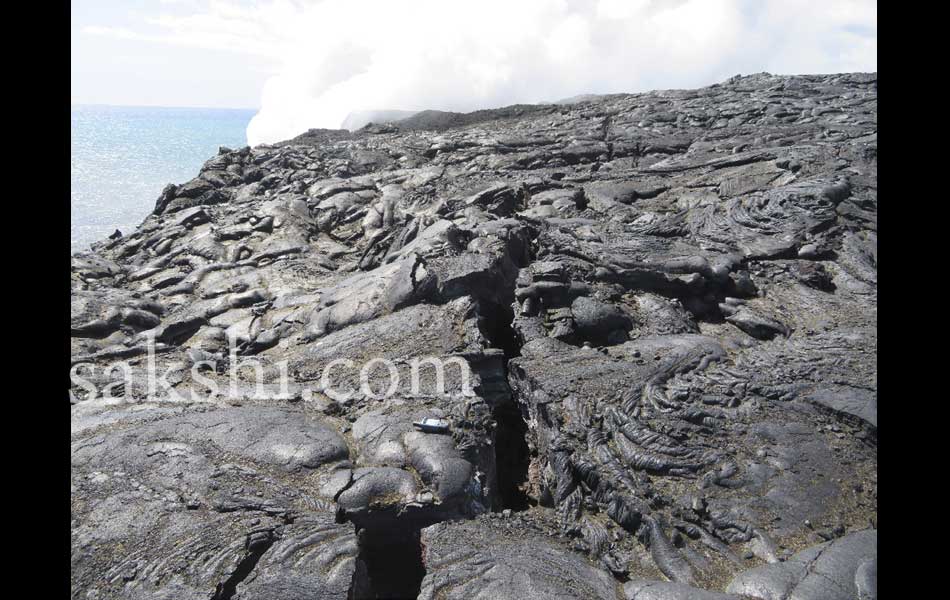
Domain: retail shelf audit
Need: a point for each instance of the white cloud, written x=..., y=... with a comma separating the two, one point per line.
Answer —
x=339, y=56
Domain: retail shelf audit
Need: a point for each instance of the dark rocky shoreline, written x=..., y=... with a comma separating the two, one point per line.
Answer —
x=668, y=302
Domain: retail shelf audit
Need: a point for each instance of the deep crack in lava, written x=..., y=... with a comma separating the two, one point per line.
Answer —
x=389, y=563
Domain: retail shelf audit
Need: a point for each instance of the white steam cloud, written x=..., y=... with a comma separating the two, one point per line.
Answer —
x=441, y=54
x=334, y=57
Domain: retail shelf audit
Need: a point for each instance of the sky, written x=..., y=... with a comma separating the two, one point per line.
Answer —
x=309, y=63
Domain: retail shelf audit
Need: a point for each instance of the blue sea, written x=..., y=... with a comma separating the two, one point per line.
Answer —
x=122, y=157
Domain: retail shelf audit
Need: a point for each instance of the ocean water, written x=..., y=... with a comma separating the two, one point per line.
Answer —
x=123, y=156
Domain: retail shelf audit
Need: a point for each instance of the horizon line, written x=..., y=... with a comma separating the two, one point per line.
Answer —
x=74, y=103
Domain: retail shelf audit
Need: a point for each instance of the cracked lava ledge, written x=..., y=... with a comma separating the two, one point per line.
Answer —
x=668, y=303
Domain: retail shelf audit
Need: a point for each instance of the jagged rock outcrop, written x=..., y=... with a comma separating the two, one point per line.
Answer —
x=657, y=320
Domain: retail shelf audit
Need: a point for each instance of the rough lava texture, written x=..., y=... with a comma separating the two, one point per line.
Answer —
x=667, y=303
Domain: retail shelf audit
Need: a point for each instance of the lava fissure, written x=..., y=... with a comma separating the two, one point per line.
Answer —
x=256, y=546
x=389, y=563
